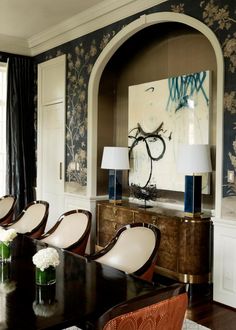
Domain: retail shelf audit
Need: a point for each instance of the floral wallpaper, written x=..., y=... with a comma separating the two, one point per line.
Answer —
x=83, y=52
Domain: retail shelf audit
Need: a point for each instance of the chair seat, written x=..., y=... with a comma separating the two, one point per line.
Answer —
x=32, y=220
x=133, y=250
x=131, y=257
x=7, y=207
x=70, y=232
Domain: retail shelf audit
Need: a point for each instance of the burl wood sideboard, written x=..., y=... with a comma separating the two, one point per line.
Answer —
x=185, y=252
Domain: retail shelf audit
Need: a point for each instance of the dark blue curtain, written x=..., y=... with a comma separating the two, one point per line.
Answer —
x=21, y=167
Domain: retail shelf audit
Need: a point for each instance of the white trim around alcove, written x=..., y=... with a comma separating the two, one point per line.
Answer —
x=132, y=28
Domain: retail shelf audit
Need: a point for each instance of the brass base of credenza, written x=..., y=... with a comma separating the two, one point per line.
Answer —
x=195, y=279
x=184, y=278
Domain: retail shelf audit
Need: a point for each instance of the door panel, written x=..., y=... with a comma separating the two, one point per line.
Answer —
x=53, y=162
x=51, y=136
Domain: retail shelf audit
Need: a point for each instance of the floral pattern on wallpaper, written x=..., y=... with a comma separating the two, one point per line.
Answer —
x=83, y=52
x=230, y=102
x=80, y=63
x=79, y=67
x=218, y=18
x=213, y=15
x=178, y=8
x=229, y=48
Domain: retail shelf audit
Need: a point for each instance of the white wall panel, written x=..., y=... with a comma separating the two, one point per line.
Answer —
x=224, y=272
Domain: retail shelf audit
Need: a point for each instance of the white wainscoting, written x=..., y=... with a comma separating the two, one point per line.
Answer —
x=224, y=268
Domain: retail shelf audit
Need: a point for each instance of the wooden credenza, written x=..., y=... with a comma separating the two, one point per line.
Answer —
x=185, y=251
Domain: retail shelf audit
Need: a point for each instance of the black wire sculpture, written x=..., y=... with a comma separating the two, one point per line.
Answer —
x=147, y=192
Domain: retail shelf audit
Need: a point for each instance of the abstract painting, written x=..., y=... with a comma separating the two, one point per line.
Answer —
x=162, y=115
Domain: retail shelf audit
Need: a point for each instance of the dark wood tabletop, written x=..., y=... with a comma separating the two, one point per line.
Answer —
x=83, y=290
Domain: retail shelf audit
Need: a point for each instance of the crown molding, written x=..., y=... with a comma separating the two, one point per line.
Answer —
x=14, y=45
x=96, y=17
x=92, y=19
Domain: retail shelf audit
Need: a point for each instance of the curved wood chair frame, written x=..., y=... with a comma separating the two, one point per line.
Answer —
x=39, y=229
x=171, y=300
x=8, y=217
x=146, y=271
x=79, y=246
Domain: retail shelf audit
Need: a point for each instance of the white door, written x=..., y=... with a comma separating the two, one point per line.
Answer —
x=51, y=136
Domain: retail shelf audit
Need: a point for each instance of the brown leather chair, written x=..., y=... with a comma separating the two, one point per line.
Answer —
x=160, y=309
x=7, y=208
x=32, y=220
x=133, y=250
x=71, y=231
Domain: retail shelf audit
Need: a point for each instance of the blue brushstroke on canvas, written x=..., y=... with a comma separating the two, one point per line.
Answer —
x=183, y=88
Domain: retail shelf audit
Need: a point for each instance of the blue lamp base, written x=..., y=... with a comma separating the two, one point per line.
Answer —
x=193, y=195
x=115, y=186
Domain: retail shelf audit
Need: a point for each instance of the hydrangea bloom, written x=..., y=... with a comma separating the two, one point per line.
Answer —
x=45, y=258
x=7, y=235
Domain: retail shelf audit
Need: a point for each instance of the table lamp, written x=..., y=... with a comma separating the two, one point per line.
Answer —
x=115, y=159
x=192, y=160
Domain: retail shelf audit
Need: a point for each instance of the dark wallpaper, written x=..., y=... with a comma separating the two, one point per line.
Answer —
x=82, y=53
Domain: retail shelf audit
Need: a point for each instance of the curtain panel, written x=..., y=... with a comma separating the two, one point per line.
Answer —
x=20, y=136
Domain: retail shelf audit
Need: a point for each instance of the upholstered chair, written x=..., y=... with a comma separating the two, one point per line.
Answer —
x=32, y=220
x=160, y=309
x=7, y=208
x=134, y=249
x=71, y=231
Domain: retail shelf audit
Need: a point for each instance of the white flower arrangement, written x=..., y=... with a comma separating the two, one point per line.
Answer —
x=45, y=258
x=7, y=235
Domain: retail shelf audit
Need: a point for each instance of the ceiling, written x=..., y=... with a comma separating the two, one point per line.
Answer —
x=30, y=27
x=25, y=18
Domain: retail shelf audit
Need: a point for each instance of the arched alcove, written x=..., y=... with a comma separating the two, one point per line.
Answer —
x=145, y=51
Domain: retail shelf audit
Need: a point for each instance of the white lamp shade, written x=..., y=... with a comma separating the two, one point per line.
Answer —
x=116, y=158
x=194, y=158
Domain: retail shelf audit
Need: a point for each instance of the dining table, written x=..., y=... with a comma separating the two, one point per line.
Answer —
x=83, y=290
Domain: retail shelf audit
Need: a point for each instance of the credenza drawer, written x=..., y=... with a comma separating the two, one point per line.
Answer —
x=114, y=213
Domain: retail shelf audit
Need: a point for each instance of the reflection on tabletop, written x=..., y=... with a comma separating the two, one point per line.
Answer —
x=82, y=290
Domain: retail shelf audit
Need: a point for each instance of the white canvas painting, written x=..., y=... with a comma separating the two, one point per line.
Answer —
x=162, y=115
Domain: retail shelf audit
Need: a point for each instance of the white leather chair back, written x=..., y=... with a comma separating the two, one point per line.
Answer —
x=132, y=249
x=31, y=218
x=5, y=205
x=69, y=231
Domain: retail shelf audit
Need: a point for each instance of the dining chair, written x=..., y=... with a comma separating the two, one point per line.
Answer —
x=32, y=220
x=133, y=249
x=70, y=232
x=162, y=308
x=7, y=208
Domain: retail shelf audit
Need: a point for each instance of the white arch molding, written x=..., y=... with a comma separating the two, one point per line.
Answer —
x=132, y=28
